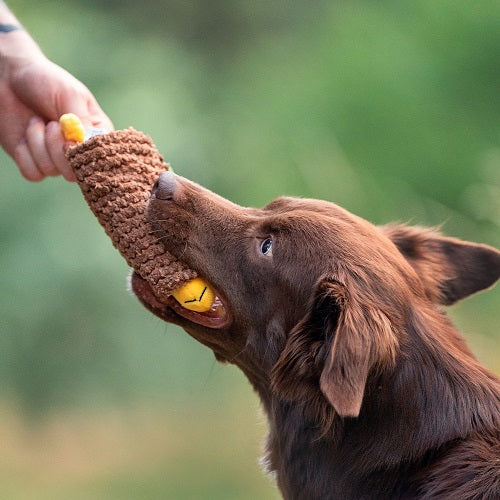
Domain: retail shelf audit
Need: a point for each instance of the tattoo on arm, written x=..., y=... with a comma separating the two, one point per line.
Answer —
x=8, y=27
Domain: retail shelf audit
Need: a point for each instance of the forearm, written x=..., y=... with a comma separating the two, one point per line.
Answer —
x=7, y=19
x=16, y=45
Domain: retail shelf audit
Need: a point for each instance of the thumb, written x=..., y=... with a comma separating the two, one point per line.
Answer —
x=95, y=116
x=50, y=91
x=88, y=111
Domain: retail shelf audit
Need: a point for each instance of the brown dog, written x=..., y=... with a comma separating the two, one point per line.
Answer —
x=369, y=390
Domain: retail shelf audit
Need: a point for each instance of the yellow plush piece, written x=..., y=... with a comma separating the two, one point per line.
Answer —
x=194, y=295
x=72, y=128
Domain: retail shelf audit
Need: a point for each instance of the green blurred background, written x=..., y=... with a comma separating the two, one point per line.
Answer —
x=388, y=108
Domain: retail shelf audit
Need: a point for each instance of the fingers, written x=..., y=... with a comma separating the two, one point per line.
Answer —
x=54, y=142
x=35, y=138
x=24, y=160
x=41, y=153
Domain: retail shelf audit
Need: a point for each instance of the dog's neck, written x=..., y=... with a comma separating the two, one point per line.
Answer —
x=428, y=402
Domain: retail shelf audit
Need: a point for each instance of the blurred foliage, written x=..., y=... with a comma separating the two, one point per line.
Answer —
x=388, y=108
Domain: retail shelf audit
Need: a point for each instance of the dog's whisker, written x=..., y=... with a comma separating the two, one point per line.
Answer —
x=183, y=251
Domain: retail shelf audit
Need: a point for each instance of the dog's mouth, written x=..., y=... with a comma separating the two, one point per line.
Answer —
x=216, y=317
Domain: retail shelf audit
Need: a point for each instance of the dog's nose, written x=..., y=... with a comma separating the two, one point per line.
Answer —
x=164, y=187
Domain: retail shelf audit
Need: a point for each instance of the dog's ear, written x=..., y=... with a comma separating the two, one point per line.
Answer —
x=335, y=346
x=363, y=341
x=449, y=268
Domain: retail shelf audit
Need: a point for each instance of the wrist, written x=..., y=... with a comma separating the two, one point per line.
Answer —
x=17, y=48
x=16, y=45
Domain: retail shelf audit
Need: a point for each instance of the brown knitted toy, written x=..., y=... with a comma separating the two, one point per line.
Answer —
x=116, y=172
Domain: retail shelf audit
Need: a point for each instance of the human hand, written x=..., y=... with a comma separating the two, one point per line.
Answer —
x=34, y=92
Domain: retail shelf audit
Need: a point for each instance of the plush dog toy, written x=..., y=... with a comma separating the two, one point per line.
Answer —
x=116, y=172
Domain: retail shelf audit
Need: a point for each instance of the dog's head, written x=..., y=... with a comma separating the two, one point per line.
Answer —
x=309, y=296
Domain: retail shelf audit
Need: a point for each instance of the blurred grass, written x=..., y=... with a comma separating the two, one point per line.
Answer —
x=390, y=109
x=138, y=453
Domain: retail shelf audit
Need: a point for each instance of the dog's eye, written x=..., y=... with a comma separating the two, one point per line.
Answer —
x=266, y=247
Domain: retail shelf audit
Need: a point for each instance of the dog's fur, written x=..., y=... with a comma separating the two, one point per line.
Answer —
x=369, y=390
